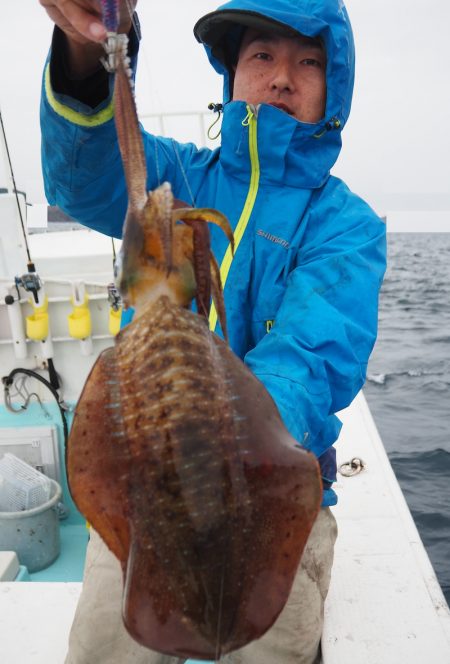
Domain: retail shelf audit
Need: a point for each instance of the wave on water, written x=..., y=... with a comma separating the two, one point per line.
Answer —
x=422, y=463
x=445, y=339
x=382, y=378
x=378, y=379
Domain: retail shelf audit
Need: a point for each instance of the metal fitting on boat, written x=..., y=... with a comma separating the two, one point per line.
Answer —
x=352, y=467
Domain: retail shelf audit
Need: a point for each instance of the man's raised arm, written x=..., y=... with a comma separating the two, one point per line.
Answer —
x=81, y=23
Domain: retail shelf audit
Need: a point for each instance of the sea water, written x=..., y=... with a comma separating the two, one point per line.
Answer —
x=408, y=383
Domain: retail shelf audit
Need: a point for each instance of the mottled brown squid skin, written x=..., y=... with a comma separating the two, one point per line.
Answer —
x=192, y=480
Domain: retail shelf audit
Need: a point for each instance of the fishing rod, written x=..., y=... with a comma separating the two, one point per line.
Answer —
x=31, y=283
x=14, y=188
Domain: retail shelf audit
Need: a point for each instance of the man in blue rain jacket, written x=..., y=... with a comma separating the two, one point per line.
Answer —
x=301, y=291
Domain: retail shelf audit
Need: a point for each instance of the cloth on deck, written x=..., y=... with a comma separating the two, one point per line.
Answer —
x=98, y=635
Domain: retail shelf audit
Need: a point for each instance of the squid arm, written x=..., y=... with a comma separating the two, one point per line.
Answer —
x=207, y=272
x=217, y=294
x=130, y=139
x=145, y=209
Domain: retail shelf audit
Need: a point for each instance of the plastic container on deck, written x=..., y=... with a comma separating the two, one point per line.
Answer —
x=22, y=487
x=29, y=519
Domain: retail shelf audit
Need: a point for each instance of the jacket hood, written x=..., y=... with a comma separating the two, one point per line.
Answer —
x=220, y=32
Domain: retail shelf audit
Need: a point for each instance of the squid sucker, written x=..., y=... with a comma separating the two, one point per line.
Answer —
x=177, y=455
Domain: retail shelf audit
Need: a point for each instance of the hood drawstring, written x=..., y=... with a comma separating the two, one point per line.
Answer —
x=217, y=108
x=334, y=123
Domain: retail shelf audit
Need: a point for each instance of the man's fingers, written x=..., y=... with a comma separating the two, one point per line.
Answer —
x=78, y=19
x=86, y=23
x=81, y=19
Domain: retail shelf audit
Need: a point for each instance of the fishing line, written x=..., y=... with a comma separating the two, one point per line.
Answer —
x=131, y=14
x=183, y=172
x=11, y=170
x=218, y=654
x=142, y=50
x=158, y=171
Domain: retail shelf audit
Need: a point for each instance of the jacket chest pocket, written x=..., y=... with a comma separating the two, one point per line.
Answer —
x=264, y=314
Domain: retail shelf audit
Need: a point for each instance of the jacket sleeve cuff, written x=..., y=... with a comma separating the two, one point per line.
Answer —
x=86, y=102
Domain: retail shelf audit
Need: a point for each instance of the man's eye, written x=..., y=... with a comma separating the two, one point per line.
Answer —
x=262, y=56
x=311, y=62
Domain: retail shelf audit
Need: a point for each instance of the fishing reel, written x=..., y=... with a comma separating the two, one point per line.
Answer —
x=30, y=282
x=114, y=297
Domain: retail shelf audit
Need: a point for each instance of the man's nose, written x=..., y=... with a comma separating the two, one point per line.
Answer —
x=282, y=78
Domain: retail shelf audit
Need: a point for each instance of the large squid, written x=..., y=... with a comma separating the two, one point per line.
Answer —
x=177, y=455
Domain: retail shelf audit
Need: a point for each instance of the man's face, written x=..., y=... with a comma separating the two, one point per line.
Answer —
x=286, y=72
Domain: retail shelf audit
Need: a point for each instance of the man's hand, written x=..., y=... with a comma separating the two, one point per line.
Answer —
x=81, y=19
x=81, y=22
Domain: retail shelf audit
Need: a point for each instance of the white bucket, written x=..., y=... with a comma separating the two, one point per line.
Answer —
x=33, y=534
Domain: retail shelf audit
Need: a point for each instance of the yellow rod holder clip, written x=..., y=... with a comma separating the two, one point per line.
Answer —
x=79, y=320
x=37, y=326
x=114, y=321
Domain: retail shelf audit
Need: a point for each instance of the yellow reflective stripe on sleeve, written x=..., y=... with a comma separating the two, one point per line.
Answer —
x=246, y=212
x=73, y=116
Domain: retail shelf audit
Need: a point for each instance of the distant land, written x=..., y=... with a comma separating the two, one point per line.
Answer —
x=417, y=221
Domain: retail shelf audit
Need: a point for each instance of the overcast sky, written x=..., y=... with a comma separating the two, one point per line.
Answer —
x=396, y=145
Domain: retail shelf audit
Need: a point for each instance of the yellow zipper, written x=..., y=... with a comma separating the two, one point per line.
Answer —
x=250, y=121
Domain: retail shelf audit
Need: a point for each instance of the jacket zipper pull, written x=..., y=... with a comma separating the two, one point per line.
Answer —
x=248, y=118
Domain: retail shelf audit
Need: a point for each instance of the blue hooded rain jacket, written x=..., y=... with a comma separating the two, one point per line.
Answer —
x=301, y=292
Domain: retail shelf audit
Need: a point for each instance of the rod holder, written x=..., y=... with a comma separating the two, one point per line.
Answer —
x=17, y=329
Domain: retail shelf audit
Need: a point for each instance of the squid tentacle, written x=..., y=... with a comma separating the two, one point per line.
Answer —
x=208, y=214
x=152, y=252
x=207, y=271
x=200, y=255
x=217, y=294
x=130, y=140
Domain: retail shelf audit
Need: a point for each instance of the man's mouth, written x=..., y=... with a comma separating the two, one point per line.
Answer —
x=282, y=107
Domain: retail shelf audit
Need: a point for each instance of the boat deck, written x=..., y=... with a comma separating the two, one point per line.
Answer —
x=385, y=605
